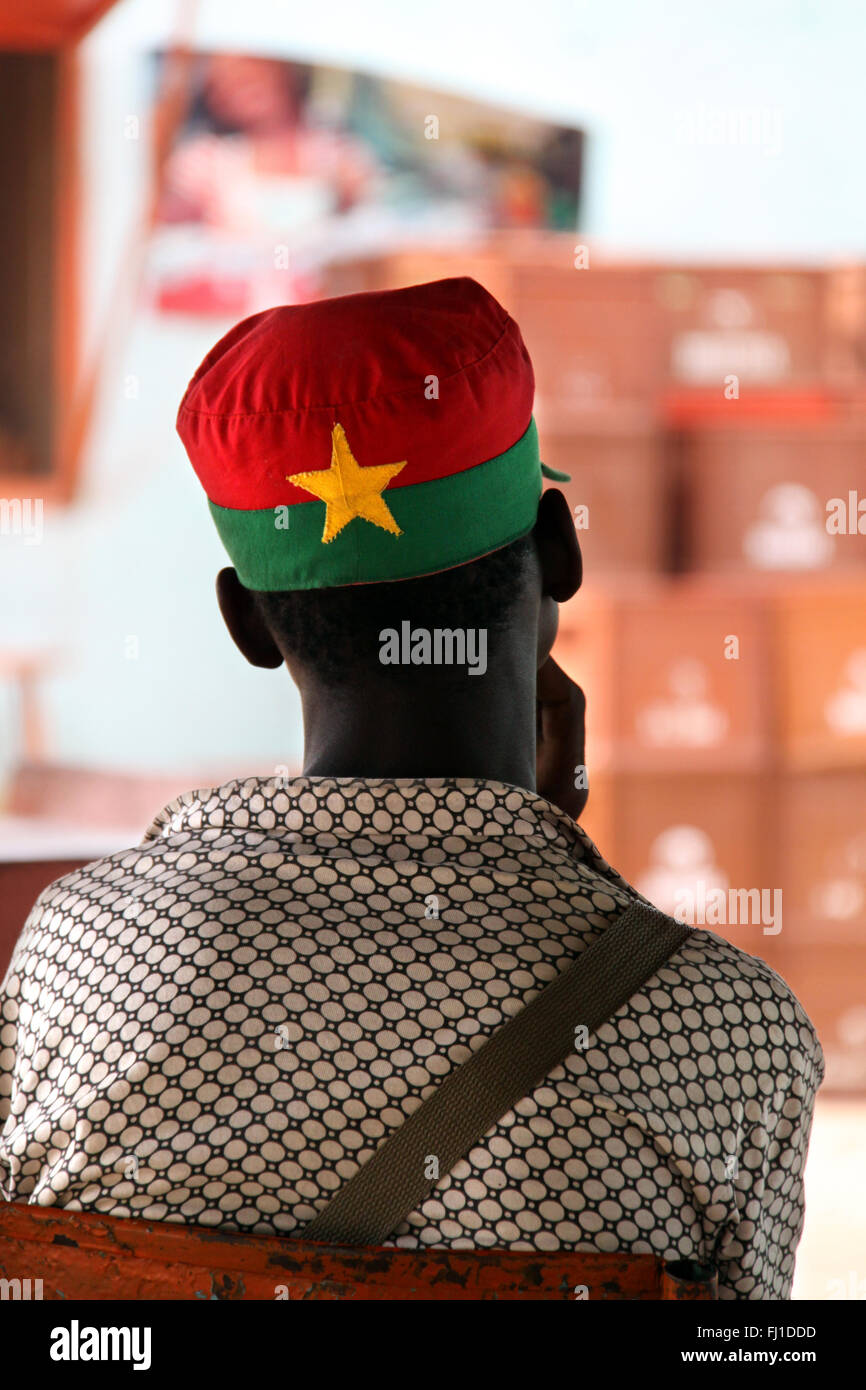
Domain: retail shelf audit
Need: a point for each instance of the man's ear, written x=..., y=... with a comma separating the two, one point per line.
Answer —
x=247, y=627
x=558, y=550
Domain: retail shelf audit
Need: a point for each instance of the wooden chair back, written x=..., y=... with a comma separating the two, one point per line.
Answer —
x=51, y=1253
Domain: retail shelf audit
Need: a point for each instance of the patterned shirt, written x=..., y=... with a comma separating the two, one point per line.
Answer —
x=221, y=1025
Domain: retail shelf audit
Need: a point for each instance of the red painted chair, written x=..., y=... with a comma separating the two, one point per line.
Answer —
x=82, y=1255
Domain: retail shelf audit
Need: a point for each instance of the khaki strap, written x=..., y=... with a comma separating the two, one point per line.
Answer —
x=510, y=1064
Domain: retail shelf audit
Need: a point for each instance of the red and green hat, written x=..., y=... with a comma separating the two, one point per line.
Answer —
x=370, y=437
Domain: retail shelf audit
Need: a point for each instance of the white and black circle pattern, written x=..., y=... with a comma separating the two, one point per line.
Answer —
x=220, y=1025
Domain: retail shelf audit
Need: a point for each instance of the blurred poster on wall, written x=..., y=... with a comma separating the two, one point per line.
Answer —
x=279, y=169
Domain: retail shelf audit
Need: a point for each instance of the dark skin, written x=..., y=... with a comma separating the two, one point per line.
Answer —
x=522, y=722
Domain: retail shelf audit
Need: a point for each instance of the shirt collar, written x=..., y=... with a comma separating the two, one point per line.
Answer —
x=414, y=809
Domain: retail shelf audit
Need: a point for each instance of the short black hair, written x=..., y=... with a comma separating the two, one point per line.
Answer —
x=336, y=632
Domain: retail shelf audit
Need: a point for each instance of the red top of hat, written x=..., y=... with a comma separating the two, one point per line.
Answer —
x=265, y=400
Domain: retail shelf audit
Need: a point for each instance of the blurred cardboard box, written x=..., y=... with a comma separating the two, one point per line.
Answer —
x=819, y=660
x=774, y=497
x=845, y=308
x=619, y=493
x=822, y=853
x=601, y=333
x=594, y=335
x=676, y=675
x=764, y=325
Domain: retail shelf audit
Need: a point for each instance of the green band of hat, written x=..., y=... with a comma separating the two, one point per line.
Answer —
x=445, y=522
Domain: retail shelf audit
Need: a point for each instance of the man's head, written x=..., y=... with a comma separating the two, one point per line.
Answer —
x=372, y=466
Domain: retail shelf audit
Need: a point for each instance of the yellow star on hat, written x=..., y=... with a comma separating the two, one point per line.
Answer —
x=348, y=490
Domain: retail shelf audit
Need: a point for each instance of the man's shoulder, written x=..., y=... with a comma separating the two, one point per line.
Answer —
x=748, y=995
x=751, y=996
x=87, y=877
x=180, y=826
x=95, y=883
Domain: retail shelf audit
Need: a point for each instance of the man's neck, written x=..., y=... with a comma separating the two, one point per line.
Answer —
x=486, y=732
